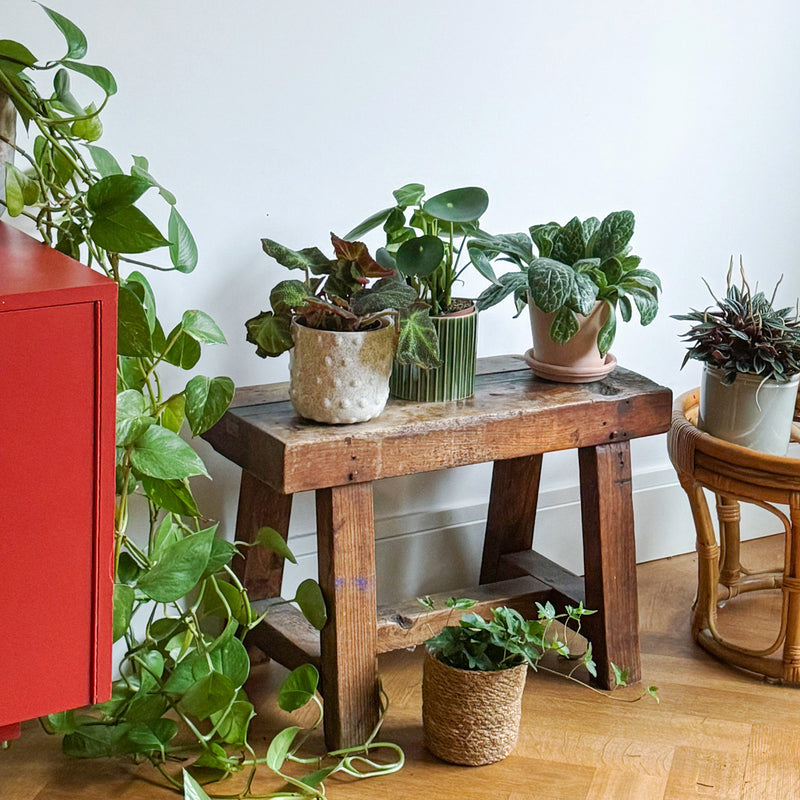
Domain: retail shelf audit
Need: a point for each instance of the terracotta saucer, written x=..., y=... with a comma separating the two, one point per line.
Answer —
x=559, y=374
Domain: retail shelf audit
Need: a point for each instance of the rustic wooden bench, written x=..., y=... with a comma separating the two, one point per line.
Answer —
x=512, y=419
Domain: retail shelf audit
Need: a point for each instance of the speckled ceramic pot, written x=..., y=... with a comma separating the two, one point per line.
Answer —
x=340, y=377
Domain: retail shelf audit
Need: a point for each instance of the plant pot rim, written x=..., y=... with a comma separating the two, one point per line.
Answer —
x=385, y=322
x=464, y=312
x=434, y=657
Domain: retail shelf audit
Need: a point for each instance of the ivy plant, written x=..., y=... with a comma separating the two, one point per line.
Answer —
x=579, y=264
x=179, y=608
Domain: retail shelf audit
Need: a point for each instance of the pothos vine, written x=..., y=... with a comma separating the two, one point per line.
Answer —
x=179, y=607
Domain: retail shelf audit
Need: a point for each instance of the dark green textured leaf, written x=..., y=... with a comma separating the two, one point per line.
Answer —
x=287, y=296
x=310, y=258
x=615, y=232
x=564, y=326
x=417, y=341
x=550, y=283
x=270, y=333
x=506, y=284
x=606, y=336
x=568, y=243
x=387, y=293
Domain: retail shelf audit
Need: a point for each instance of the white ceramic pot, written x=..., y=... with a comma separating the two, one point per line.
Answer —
x=575, y=361
x=750, y=412
x=340, y=377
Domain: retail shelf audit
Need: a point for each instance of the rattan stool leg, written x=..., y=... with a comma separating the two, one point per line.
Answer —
x=791, y=588
x=729, y=516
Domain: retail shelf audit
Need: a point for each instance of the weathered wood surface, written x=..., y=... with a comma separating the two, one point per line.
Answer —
x=408, y=624
x=260, y=570
x=566, y=587
x=346, y=558
x=609, y=557
x=512, y=511
x=285, y=635
x=512, y=414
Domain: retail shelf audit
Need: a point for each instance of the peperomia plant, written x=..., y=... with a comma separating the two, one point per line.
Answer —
x=579, y=264
x=178, y=606
x=336, y=295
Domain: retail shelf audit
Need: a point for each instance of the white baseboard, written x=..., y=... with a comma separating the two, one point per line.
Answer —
x=420, y=553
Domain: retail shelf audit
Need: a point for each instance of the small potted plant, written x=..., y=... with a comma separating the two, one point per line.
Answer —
x=751, y=353
x=583, y=273
x=425, y=242
x=341, y=328
x=474, y=676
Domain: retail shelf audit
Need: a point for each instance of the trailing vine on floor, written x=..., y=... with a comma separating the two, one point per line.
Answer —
x=178, y=605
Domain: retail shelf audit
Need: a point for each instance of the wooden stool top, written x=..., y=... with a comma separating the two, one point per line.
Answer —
x=511, y=414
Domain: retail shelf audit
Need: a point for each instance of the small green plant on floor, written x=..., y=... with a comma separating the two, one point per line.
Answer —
x=507, y=640
x=179, y=608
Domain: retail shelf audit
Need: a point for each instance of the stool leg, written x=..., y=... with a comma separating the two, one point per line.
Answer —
x=260, y=570
x=609, y=552
x=512, y=511
x=346, y=552
x=791, y=585
x=729, y=516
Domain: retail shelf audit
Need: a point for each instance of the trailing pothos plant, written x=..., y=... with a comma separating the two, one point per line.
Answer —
x=579, y=264
x=179, y=608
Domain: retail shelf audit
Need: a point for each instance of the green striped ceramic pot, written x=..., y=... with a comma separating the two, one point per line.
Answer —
x=455, y=379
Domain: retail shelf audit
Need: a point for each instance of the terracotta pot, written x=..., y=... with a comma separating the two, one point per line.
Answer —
x=471, y=717
x=8, y=129
x=340, y=377
x=750, y=412
x=455, y=378
x=575, y=361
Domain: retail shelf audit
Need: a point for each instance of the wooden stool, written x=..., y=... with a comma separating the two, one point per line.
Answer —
x=512, y=420
x=737, y=474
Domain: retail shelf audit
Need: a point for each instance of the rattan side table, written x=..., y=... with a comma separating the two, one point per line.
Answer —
x=736, y=474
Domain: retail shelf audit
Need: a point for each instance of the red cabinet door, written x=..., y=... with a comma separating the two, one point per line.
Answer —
x=57, y=344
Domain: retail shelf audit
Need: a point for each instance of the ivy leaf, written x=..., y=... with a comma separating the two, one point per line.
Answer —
x=232, y=727
x=312, y=603
x=133, y=329
x=132, y=417
x=115, y=193
x=182, y=248
x=16, y=53
x=298, y=688
x=212, y=693
x=90, y=129
x=126, y=231
x=206, y=401
x=174, y=495
x=173, y=412
x=141, y=169
x=160, y=453
x=21, y=190
x=123, y=610
x=201, y=327
x=105, y=163
x=272, y=540
x=100, y=75
x=76, y=41
x=184, y=350
x=180, y=567
x=279, y=748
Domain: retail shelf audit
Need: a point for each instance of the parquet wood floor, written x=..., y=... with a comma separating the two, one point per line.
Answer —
x=717, y=734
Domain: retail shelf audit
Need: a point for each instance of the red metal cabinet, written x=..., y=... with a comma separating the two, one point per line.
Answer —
x=57, y=401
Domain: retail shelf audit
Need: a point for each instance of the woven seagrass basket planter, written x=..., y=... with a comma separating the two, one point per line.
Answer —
x=471, y=717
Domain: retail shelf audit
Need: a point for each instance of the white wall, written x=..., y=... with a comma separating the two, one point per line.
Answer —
x=288, y=120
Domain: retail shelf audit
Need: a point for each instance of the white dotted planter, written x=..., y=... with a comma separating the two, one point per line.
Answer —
x=340, y=377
